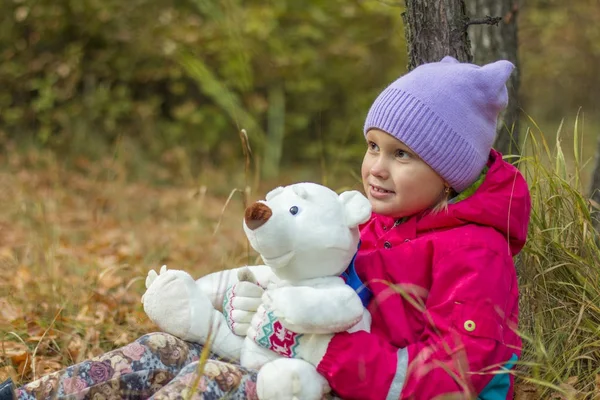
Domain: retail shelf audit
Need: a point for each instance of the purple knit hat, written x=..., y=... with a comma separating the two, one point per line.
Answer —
x=447, y=113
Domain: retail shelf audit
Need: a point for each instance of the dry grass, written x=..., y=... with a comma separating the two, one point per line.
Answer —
x=559, y=277
x=76, y=244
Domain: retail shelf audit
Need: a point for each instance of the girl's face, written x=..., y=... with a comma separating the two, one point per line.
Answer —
x=396, y=181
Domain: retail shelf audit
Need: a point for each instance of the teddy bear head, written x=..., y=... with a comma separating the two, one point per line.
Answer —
x=306, y=230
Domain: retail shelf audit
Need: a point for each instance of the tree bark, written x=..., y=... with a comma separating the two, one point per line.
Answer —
x=489, y=43
x=435, y=29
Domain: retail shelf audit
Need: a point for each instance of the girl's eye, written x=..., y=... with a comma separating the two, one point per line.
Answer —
x=294, y=210
x=373, y=146
x=402, y=154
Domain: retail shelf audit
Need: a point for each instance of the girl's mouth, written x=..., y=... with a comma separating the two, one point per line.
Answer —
x=379, y=193
x=380, y=190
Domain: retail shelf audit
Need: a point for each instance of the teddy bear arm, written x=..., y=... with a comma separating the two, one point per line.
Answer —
x=223, y=342
x=264, y=275
x=317, y=310
x=215, y=285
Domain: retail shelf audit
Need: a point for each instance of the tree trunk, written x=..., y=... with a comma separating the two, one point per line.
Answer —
x=435, y=29
x=595, y=190
x=491, y=43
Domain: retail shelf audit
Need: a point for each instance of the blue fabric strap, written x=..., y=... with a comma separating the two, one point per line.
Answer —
x=351, y=278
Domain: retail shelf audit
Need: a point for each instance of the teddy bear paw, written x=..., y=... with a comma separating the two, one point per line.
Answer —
x=290, y=379
x=283, y=303
x=172, y=300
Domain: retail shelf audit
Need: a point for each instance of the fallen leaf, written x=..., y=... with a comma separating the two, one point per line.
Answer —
x=74, y=348
x=105, y=299
x=123, y=339
x=6, y=253
x=47, y=335
x=12, y=349
x=526, y=392
x=47, y=365
x=23, y=363
x=8, y=312
x=572, y=380
x=6, y=372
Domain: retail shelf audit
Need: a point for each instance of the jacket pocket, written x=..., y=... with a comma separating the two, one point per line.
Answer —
x=479, y=320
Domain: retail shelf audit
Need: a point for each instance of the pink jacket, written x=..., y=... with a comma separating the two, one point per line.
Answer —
x=445, y=299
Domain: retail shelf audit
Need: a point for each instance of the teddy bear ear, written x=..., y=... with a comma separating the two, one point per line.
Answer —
x=356, y=208
x=273, y=193
x=300, y=190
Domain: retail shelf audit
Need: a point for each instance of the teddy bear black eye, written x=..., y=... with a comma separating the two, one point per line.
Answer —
x=293, y=210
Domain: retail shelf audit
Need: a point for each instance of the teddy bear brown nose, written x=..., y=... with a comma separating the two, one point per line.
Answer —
x=257, y=215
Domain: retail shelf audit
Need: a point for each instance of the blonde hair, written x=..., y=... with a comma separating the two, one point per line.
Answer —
x=442, y=204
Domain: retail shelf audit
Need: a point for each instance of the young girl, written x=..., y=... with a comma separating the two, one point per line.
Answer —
x=448, y=216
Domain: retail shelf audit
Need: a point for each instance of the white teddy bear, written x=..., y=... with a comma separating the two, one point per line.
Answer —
x=307, y=236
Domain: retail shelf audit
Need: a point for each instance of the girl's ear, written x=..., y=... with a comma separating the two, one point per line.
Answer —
x=357, y=208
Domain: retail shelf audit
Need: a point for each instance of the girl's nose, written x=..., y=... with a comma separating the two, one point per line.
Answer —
x=379, y=168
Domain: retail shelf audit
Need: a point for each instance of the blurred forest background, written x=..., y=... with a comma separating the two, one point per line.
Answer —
x=120, y=151
x=182, y=77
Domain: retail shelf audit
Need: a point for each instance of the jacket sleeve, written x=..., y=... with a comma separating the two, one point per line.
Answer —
x=466, y=321
x=362, y=365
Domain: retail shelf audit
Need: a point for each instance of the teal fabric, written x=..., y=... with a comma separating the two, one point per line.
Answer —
x=499, y=386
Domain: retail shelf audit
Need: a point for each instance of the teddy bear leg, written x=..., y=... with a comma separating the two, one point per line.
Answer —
x=254, y=356
x=222, y=340
x=290, y=379
x=178, y=306
x=174, y=302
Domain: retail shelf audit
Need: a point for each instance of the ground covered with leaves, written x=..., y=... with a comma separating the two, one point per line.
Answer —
x=76, y=244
